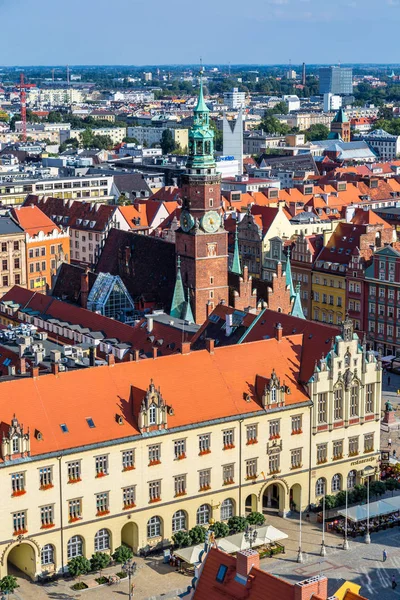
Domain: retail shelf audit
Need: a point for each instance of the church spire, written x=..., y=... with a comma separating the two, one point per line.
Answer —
x=187, y=314
x=289, y=279
x=297, y=308
x=178, y=299
x=201, y=105
x=236, y=266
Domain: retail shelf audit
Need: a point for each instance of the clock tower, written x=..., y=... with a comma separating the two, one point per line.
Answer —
x=201, y=240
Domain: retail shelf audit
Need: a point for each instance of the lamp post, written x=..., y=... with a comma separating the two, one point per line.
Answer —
x=300, y=553
x=250, y=535
x=367, y=473
x=323, y=549
x=129, y=568
x=346, y=541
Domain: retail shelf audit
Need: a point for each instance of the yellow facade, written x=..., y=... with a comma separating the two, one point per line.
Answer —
x=328, y=297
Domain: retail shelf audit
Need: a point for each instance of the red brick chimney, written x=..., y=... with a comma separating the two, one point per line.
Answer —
x=55, y=368
x=185, y=348
x=136, y=355
x=84, y=288
x=22, y=366
x=318, y=585
x=35, y=372
x=210, y=345
x=110, y=359
x=278, y=332
x=245, y=561
x=155, y=352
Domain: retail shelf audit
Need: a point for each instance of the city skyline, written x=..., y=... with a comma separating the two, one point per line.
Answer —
x=248, y=38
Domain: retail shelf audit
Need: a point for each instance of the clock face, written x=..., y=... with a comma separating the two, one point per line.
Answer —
x=187, y=221
x=211, y=221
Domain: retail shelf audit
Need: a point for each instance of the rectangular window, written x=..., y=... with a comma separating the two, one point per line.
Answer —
x=4, y=246
x=353, y=446
x=322, y=407
x=155, y=454
x=228, y=474
x=46, y=516
x=180, y=485
x=129, y=497
x=251, y=434
x=46, y=477
x=228, y=438
x=296, y=424
x=16, y=245
x=101, y=465
x=273, y=463
x=52, y=249
x=17, y=279
x=337, y=449
x=354, y=401
x=17, y=263
x=19, y=522
x=128, y=460
x=75, y=509
x=251, y=468
x=5, y=280
x=274, y=429
x=295, y=458
x=155, y=491
x=369, y=442
x=205, y=443
x=322, y=453
x=18, y=483
x=102, y=503
x=74, y=471
x=205, y=479
x=338, y=404
x=369, y=398
x=43, y=252
x=180, y=449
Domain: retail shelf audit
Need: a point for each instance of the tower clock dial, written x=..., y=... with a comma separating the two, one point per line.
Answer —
x=211, y=221
x=187, y=221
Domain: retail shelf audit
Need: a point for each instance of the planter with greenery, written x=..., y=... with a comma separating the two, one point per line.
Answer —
x=122, y=554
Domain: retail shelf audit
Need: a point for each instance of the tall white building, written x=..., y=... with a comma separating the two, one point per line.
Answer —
x=233, y=139
x=235, y=99
x=332, y=102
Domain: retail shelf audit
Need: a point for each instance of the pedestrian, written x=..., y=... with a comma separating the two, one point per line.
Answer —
x=388, y=379
x=390, y=442
x=394, y=453
x=384, y=556
x=394, y=584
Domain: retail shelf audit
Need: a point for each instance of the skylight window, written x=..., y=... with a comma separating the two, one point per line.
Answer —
x=64, y=428
x=90, y=422
x=221, y=573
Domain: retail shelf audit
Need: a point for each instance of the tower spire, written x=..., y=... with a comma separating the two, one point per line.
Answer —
x=178, y=299
x=236, y=267
x=289, y=279
x=297, y=308
x=187, y=314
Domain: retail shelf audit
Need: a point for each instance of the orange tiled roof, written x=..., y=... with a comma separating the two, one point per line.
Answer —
x=200, y=387
x=131, y=212
x=33, y=220
x=368, y=217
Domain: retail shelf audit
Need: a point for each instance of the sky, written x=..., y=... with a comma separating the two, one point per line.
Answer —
x=157, y=32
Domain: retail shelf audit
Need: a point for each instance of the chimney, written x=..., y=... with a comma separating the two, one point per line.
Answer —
x=228, y=324
x=110, y=359
x=155, y=351
x=84, y=288
x=150, y=323
x=245, y=561
x=136, y=355
x=318, y=586
x=22, y=366
x=185, y=348
x=35, y=372
x=92, y=356
x=55, y=368
x=278, y=332
x=210, y=343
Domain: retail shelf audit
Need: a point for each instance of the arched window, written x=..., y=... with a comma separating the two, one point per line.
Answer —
x=338, y=404
x=102, y=540
x=336, y=483
x=47, y=554
x=154, y=527
x=227, y=509
x=74, y=547
x=273, y=394
x=354, y=401
x=203, y=514
x=351, y=479
x=152, y=414
x=347, y=358
x=320, y=487
x=179, y=521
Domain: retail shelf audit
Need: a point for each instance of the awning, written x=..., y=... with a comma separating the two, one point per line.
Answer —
x=376, y=509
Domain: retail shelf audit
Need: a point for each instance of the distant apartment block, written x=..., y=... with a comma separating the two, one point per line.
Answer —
x=335, y=80
x=235, y=99
x=153, y=135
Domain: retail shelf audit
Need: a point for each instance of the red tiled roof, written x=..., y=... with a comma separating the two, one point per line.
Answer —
x=33, y=220
x=368, y=217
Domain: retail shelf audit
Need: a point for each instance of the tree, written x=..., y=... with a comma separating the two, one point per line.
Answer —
x=237, y=524
x=54, y=116
x=281, y=108
x=100, y=561
x=8, y=584
x=4, y=117
x=79, y=565
x=317, y=132
x=197, y=535
x=102, y=142
x=86, y=138
x=220, y=529
x=182, y=539
x=69, y=143
x=391, y=485
x=218, y=136
x=255, y=518
x=122, y=554
x=377, y=488
x=167, y=142
x=130, y=140
x=330, y=502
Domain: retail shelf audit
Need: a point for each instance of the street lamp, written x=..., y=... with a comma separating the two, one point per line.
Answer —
x=129, y=567
x=323, y=549
x=300, y=553
x=367, y=472
x=346, y=541
x=250, y=535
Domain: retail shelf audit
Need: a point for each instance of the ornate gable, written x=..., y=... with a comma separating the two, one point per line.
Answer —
x=153, y=413
x=15, y=442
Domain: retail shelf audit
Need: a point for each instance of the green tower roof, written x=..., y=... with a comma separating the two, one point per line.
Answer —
x=201, y=105
x=178, y=299
x=340, y=117
x=187, y=314
x=236, y=267
x=289, y=279
x=297, y=309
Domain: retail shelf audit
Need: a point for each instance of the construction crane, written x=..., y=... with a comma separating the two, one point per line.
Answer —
x=23, y=106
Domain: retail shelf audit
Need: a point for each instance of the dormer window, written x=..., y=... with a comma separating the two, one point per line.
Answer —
x=153, y=409
x=153, y=415
x=273, y=394
x=15, y=445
